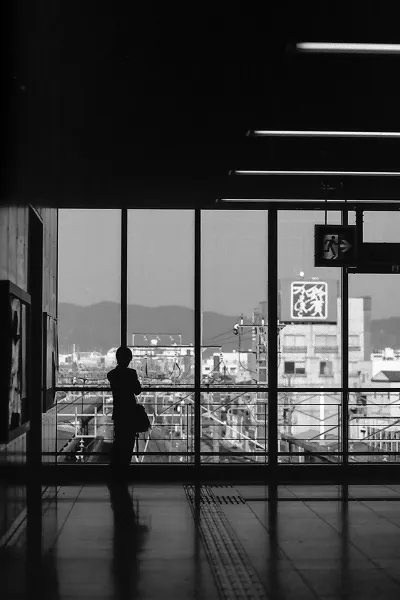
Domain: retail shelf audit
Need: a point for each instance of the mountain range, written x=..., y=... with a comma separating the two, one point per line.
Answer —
x=97, y=327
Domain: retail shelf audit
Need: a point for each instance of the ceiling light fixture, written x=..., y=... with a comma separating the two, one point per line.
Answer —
x=305, y=200
x=319, y=173
x=347, y=48
x=318, y=134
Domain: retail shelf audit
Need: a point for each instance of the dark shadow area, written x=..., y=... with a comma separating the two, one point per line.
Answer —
x=128, y=541
x=41, y=572
x=274, y=574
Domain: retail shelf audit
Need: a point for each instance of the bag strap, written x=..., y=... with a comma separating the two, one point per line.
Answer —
x=137, y=445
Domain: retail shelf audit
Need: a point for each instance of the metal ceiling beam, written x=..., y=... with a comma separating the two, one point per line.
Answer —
x=204, y=191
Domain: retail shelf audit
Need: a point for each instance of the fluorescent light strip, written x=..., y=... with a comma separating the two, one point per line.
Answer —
x=327, y=173
x=354, y=134
x=281, y=201
x=347, y=48
x=271, y=200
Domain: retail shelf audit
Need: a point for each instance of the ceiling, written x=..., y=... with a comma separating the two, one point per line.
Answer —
x=110, y=102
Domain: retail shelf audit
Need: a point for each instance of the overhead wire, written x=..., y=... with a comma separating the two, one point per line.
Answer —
x=219, y=335
x=222, y=334
x=232, y=339
x=230, y=336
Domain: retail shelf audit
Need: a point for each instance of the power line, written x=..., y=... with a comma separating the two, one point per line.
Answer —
x=229, y=331
x=232, y=338
x=220, y=334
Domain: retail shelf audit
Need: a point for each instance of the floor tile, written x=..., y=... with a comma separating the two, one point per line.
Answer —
x=142, y=542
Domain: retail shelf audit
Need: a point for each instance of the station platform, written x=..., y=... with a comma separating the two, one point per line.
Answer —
x=143, y=540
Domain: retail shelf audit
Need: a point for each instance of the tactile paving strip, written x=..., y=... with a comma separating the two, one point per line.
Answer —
x=222, y=500
x=230, y=500
x=233, y=571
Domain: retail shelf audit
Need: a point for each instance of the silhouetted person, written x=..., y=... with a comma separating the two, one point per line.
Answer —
x=125, y=385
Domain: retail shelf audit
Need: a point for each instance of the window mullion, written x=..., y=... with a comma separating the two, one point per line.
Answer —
x=124, y=277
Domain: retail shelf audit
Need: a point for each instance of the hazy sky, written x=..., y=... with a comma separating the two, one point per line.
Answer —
x=234, y=257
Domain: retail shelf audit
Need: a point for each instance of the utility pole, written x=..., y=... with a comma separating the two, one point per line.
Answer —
x=260, y=343
x=259, y=331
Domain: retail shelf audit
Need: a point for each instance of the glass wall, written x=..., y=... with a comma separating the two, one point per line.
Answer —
x=233, y=394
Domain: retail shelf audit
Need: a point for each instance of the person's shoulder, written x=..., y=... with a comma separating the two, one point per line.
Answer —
x=110, y=373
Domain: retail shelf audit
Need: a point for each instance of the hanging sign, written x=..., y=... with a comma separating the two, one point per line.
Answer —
x=335, y=245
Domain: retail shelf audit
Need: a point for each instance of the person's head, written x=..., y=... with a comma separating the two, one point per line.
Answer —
x=124, y=356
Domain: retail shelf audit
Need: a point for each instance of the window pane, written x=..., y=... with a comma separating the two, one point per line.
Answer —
x=309, y=427
x=374, y=432
x=234, y=292
x=289, y=368
x=75, y=426
x=373, y=332
x=381, y=226
x=374, y=308
x=89, y=294
x=161, y=295
x=326, y=368
x=234, y=427
x=309, y=305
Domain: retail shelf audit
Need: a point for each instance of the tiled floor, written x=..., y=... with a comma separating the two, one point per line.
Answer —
x=164, y=541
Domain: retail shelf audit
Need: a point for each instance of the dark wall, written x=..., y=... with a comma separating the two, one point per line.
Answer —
x=14, y=268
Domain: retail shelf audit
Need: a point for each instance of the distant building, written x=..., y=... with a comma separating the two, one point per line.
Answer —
x=387, y=359
x=309, y=346
x=310, y=342
x=238, y=367
x=310, y=352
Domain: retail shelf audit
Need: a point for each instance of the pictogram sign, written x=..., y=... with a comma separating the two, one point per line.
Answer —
x=335, y=245
x=309, y=300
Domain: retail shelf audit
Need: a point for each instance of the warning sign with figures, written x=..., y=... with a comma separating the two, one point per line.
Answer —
x=309, y=300
x=335, y=245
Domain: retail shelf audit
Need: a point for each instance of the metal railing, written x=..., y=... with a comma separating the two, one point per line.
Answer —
x=234, y=427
